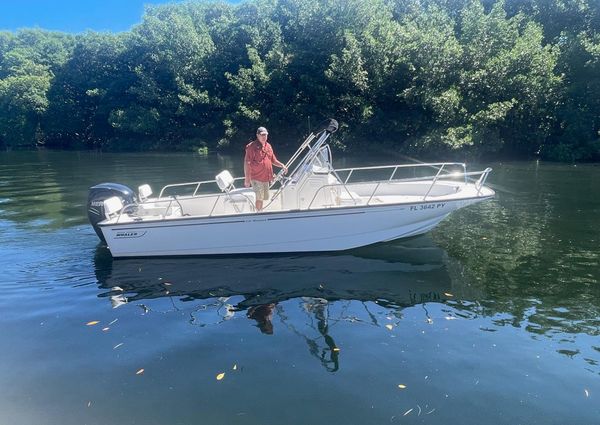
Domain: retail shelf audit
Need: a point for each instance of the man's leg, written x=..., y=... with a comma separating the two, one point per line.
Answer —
x=259, y=205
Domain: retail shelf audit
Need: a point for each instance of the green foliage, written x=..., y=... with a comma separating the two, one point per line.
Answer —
x=445, y=76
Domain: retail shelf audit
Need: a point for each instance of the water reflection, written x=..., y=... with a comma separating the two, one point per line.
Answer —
x=306, y=293
x=396, y=275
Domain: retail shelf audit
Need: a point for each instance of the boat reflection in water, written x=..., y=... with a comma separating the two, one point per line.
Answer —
x=393, y=276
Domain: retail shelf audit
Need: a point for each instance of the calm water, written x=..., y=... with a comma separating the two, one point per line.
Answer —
x=492, y=318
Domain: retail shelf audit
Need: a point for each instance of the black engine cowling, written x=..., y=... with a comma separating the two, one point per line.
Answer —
x=98, y=194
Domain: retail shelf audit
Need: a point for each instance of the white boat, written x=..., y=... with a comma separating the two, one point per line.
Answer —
x=315, y=208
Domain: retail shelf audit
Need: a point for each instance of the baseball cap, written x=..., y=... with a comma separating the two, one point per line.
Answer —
x=261, y=130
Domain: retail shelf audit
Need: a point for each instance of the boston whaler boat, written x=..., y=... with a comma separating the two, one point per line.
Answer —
x=315, y=208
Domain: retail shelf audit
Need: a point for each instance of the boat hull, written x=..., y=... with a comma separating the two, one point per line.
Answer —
x=328, y=229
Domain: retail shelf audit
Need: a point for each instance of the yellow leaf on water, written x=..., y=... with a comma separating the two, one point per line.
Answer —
x=92, y=323
x=139, y=372
x=401, y=386
x=336, y=349
x=390, y=327
x=448, y=294
x=220, y=376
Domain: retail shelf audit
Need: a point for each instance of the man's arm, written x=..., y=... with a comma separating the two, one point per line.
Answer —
x=278, y=163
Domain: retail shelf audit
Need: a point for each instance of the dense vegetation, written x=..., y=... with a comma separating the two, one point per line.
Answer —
x=519, y=77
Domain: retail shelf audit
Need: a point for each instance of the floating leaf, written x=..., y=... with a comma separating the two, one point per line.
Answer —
x=336, y=349
x=89, y=403
x=139, y=372
x=407, y=412
x=117, y=346
x=234, y=367
x=167, y=283
x=105, y=329
x=220, y=376
x=587, y=393
x=401, y=386
x=448, y=294
x=113, y=322
x=92, y=323
x=390, y=327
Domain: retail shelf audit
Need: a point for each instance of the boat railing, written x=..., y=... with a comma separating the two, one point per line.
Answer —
x=481, y=181
x=439, y=176
x=132, y=208
x=196, y=184
x=394, y=169
x=170, y=200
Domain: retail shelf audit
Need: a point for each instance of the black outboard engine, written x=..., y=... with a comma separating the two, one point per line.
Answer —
x=98, y=194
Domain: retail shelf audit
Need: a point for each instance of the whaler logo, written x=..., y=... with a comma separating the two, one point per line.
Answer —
x=132, y=234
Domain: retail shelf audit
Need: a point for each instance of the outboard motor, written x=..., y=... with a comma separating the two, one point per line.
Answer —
x=98, y=194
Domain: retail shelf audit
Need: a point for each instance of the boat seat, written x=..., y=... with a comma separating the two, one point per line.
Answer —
x=112, y=206
x=240, y=200
x=237, y=198
x=242, y=195
x=225, y=181
x=144, y=192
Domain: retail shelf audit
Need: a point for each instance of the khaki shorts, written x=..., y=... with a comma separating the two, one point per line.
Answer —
x=261, y=189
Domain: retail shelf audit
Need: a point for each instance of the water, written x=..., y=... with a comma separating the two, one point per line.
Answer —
x=492, y=318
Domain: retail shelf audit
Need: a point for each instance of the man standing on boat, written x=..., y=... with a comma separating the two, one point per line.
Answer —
x=258, y=166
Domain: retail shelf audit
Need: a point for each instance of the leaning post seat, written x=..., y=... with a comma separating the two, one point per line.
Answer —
x=236, y=197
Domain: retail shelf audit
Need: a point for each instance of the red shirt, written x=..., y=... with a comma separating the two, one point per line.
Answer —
x=260, y=161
